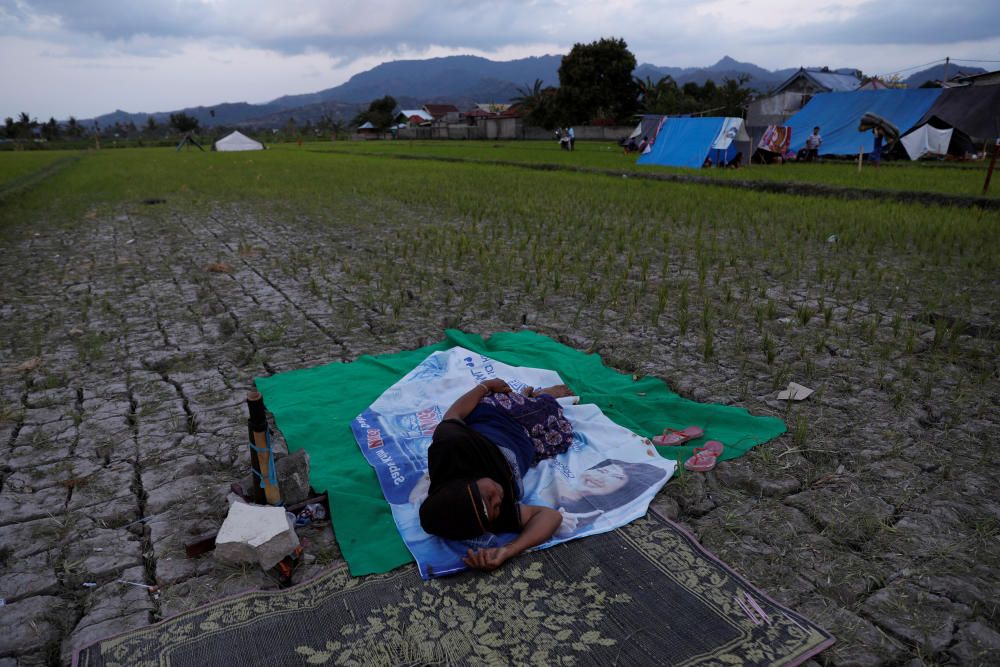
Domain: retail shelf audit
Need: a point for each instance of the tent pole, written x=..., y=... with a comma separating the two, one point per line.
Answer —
x=993, y=163
x=861, y=152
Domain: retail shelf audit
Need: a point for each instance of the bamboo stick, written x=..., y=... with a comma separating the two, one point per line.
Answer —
x=258, y=426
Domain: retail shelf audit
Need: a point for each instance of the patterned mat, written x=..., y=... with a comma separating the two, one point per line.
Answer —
x=645, y=594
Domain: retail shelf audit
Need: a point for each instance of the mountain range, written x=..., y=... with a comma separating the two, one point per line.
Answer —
x=460, y=80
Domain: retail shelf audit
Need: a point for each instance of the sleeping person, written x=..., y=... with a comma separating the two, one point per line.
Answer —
x=485, y=444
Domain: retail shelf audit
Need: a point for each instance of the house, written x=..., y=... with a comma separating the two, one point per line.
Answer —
x=791, y=95
x=414, y=117
x=443, y=113
x=984, y=79
x=811, y=81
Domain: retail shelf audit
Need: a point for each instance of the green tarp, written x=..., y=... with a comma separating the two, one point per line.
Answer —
x=314, y=407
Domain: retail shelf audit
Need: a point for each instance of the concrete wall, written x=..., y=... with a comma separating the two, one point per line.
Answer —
x=506, y=129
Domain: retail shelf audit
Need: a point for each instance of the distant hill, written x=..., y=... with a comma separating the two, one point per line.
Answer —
x=452, y=76
x=727, y=68
x=937, y=73
x=460, y=80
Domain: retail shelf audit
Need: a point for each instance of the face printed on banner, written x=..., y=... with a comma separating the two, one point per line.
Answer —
x=602, y=481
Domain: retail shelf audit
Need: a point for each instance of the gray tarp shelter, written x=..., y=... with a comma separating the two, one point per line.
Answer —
x=975, y=110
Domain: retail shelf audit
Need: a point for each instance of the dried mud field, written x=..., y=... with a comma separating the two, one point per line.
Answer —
x=130, y=335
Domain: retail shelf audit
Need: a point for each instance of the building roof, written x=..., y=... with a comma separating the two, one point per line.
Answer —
x=420, y=113
x=981, y=79
x=440, y=109
x=832, y=82
x=493, y=107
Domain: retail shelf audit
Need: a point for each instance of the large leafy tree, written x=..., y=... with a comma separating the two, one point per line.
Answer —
x=595, y=82
x=183, y=122
x=379, y=113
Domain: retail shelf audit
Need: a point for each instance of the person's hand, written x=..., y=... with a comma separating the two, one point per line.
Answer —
x=497, y=386
x=486, y=559
x=570, y=521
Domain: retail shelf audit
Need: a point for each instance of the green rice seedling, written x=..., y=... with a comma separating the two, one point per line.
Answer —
x=804, y=314
x=769, y=347
x=683, y=315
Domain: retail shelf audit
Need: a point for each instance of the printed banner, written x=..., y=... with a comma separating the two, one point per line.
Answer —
x=776, y=139
x=606, y=479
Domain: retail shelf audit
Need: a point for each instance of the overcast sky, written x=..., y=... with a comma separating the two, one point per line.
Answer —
x=88, y=57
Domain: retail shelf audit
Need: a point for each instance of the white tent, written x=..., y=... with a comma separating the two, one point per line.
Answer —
x=926, y=139
x=237, y=142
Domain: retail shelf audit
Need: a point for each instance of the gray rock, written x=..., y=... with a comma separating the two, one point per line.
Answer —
x=293, y=477
x=256, y=534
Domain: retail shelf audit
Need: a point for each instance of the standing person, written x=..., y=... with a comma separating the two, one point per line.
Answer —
x=572, y=138
x=813, y=142
x=877, y=148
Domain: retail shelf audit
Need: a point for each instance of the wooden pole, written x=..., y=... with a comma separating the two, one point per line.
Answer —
x=861, y=153
x=258, y=426
x=993, y=163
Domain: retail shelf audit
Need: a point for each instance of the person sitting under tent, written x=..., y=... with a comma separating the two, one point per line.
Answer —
x=737, y=161
x=813, y=142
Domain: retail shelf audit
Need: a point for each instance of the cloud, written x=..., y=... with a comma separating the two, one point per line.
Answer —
x=906, y=22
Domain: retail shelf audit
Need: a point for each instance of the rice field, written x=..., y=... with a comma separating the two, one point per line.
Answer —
x=157, y=282
x=965, y=179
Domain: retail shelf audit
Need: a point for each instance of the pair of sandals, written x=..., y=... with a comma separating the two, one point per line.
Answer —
x=704, y=458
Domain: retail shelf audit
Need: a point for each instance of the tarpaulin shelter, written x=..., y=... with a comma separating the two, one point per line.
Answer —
x=937, y=138
x=686, y=142
x=647, y=128
x=927, y=140
x=237, y=141
x=975, y=110
x=839, y=114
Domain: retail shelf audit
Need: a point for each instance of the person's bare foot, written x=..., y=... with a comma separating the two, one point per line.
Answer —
x=555, y=391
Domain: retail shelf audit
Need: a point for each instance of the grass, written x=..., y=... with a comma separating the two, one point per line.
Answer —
x=15, y=165
x=964, y=179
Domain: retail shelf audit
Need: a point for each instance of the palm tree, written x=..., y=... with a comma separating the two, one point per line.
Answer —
x=530, y=98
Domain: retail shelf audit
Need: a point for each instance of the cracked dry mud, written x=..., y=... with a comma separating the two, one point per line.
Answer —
x=126, y=357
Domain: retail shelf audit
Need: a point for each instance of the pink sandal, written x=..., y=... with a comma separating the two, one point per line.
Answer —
x=671, y=437
x=702, y=461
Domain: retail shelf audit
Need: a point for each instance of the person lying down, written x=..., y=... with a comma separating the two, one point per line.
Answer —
x=479, y=453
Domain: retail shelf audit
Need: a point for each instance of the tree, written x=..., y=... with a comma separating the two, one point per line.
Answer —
x=183, y=123
x=50, y=130
x=379, y=113
x=731, y=96
x=150, y=128
x=595, y=82
x=73, y=127
x=661, y=97
x=539, y=104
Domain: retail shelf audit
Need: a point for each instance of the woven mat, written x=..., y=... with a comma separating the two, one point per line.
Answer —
x=645, y=594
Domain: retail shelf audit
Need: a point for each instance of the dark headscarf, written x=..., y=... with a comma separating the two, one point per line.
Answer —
x=454, y=509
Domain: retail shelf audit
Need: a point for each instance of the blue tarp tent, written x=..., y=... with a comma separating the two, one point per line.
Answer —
x=686, y=142
x=838, y=115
